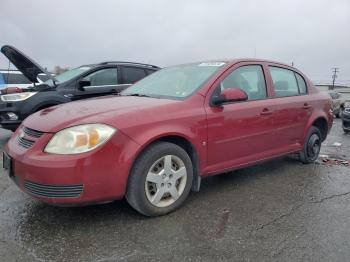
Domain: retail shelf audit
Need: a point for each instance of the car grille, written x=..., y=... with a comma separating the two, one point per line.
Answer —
x=32, y=132
x=26, y=143
x=53, y=191
x=28, y=137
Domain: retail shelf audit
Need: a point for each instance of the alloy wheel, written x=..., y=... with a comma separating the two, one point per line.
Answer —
x=165, y=181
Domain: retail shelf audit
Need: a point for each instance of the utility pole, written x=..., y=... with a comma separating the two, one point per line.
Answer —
x=335, y=70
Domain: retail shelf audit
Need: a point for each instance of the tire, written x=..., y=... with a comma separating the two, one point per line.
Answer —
x=312, y=146
x=159, y=171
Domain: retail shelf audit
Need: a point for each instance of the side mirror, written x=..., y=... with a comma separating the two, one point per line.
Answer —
x=230, y=95
x=83, y=83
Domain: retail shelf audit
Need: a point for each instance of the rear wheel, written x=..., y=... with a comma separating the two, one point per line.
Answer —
x=312, y=146
x=160, y=180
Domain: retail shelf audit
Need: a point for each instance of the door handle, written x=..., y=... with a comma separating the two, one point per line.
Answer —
x=306, y=106
x=265, y=112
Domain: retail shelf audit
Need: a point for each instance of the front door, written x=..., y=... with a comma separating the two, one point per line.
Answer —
x=101, y=82
x=241, y=132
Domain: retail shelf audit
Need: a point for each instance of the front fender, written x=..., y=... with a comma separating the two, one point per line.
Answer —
x=196, y=136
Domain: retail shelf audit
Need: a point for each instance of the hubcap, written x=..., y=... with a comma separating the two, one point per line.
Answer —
x=165, y=181
x=314, y=146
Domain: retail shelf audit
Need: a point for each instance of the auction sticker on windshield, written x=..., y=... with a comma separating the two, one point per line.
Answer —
x=212, y=64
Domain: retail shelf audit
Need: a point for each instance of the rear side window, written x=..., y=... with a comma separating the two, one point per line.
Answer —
x=250, y=79
x=284, y=81
x=301, y=84
x=132, y=74
x=15, y=79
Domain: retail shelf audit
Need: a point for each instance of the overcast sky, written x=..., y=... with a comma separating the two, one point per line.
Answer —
x=314, y=34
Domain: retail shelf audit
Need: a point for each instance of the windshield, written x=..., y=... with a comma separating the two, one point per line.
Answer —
x=175, y=82
x=68, y=75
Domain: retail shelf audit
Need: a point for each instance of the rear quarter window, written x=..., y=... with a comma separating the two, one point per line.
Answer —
x=301, y=84
x=148, y=71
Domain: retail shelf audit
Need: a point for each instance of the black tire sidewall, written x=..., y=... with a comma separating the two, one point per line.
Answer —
x=305, y=156
x=136, y=192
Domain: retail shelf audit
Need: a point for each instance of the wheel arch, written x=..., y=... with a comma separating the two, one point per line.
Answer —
x=186, y=144
x=322, y=124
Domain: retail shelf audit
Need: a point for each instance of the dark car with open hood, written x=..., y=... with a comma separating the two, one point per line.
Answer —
x=83, y=82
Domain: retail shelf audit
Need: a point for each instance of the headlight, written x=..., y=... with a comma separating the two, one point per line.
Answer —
x=17, y=96
x=79, y=139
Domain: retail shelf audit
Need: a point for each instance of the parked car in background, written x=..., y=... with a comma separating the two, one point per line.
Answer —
x=15, y=78
x=346, y=118
x=155, y=141
x=79, y=83
x=337, y=103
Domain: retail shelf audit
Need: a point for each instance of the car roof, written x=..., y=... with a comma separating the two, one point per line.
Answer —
x=231, y=61
x=239, y=60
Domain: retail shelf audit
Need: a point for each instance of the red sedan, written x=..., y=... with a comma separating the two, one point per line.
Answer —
x=154, y=142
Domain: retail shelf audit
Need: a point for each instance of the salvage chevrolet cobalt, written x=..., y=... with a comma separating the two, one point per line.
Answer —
x=154, y=142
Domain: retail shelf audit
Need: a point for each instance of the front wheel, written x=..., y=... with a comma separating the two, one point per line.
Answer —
x=160, y=179
x=312, y=146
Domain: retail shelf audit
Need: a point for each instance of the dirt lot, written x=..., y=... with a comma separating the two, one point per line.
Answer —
x=281, y=210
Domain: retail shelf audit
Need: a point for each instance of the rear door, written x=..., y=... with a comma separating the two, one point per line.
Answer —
x=241, y=132
x=293, y=107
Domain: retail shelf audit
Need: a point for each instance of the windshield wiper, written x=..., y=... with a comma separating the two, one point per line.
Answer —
x=137, y=94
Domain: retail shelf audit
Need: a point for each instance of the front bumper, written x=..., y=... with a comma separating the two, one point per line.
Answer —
x=5, y=121
x=97, y=176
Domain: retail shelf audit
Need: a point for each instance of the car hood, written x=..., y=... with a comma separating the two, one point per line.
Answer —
x=29, y=68
x=116, y=111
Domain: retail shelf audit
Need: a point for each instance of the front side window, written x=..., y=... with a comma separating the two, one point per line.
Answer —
x=103, y=77
x=176, y=82
x=284, y=82
x=132, y=74
x=249, y=78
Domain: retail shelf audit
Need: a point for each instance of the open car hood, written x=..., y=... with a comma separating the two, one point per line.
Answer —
x=29, y=68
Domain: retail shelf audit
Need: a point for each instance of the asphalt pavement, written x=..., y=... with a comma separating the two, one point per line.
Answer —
x=281, y=210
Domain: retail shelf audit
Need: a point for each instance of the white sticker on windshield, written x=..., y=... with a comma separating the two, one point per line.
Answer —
x=211, y=64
